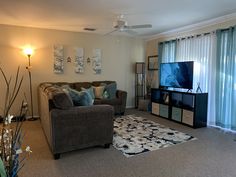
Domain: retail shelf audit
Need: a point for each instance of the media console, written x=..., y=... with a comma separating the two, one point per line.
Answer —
x=183, y=107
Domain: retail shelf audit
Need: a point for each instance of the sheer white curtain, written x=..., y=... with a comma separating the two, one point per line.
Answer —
x=226, y=79
x=168, y=51
x=202, y=50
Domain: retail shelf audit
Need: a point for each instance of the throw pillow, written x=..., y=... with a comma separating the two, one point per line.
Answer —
x=61, y=100
x=105, y=94
x=75, y=96
x=82, y=98
x=111, y=90
x=98, y=91
x=90, y=91
x=85, y=99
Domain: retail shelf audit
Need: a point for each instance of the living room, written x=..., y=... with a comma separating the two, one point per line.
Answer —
x=212, y=153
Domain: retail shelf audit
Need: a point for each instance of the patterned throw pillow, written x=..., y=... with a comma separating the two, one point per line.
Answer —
x=98, y=91
x=111, y=89
x=105, y=94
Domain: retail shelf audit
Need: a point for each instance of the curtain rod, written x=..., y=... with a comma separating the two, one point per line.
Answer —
x=196, y=35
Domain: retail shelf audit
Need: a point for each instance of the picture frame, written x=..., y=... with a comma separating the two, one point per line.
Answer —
x=153, y=62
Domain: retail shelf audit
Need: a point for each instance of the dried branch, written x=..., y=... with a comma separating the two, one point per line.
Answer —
x=10, y=97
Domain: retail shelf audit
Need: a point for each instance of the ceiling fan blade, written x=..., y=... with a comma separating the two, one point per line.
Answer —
x=111, y=32
x=131, y=32
x=140, y=26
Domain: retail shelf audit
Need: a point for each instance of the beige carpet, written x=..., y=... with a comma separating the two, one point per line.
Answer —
x=213, y=154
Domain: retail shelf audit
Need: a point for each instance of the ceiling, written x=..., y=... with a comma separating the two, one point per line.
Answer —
x=75, y=15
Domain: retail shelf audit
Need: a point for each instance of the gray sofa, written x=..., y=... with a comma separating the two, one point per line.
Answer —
x=118, y=103
x=69, y=127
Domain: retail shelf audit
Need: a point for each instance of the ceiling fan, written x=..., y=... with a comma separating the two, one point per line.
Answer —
x=122, y=25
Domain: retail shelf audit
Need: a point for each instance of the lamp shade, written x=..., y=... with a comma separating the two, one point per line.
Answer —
x=28, y=51
x=140, y=68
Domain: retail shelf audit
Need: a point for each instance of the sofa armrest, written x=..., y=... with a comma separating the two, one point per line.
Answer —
x=122, y=96
x=81, y=126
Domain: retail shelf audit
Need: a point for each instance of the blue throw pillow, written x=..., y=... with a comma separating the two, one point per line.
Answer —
x=82, y=98
x=90, y=91
x=111, y=90
x=85, y=99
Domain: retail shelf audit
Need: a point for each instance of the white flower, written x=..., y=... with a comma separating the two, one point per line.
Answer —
x=8, y=119
x=25, y=104
x=18, y=151
x=27, y=149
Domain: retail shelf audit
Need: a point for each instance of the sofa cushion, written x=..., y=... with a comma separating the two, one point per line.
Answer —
x=79, y=85
x=82, y=98
x=107, y=101
x=45, y=85
x=98, y=91
x=99, y=83
x=97, y=101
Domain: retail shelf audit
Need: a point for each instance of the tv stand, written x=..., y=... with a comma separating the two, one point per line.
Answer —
x=183, y=107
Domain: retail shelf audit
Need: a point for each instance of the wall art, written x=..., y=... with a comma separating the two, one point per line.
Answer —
x=79, y=60
x=97, y=61
x=153, y=62
x=58, y=67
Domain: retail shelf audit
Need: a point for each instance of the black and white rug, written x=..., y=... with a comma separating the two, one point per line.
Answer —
x=134, y=135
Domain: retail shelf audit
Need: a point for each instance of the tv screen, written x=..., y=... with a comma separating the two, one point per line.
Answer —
x=177, y=75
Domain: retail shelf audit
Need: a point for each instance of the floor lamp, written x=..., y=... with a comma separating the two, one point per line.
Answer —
x=29, y=52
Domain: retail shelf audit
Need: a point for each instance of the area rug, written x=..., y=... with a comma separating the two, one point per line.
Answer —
x=135, y=135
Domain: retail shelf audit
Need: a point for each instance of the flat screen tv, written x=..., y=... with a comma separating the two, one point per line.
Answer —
x=177, y=75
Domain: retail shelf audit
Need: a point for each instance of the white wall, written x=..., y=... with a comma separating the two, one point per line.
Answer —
x=118, y=57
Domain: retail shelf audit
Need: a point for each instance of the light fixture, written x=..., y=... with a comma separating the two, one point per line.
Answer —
x=29, y=51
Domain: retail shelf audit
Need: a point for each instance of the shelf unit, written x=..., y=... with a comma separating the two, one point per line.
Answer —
x=182, y=107
x=139, y=82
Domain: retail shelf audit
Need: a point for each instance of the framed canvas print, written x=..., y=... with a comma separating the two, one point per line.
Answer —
x=153, y=62
x=58, y=66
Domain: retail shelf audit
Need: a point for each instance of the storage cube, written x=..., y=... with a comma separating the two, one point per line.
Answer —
x=176, y=114
x=155, y=108
x=164, y=111
x=187, y=117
